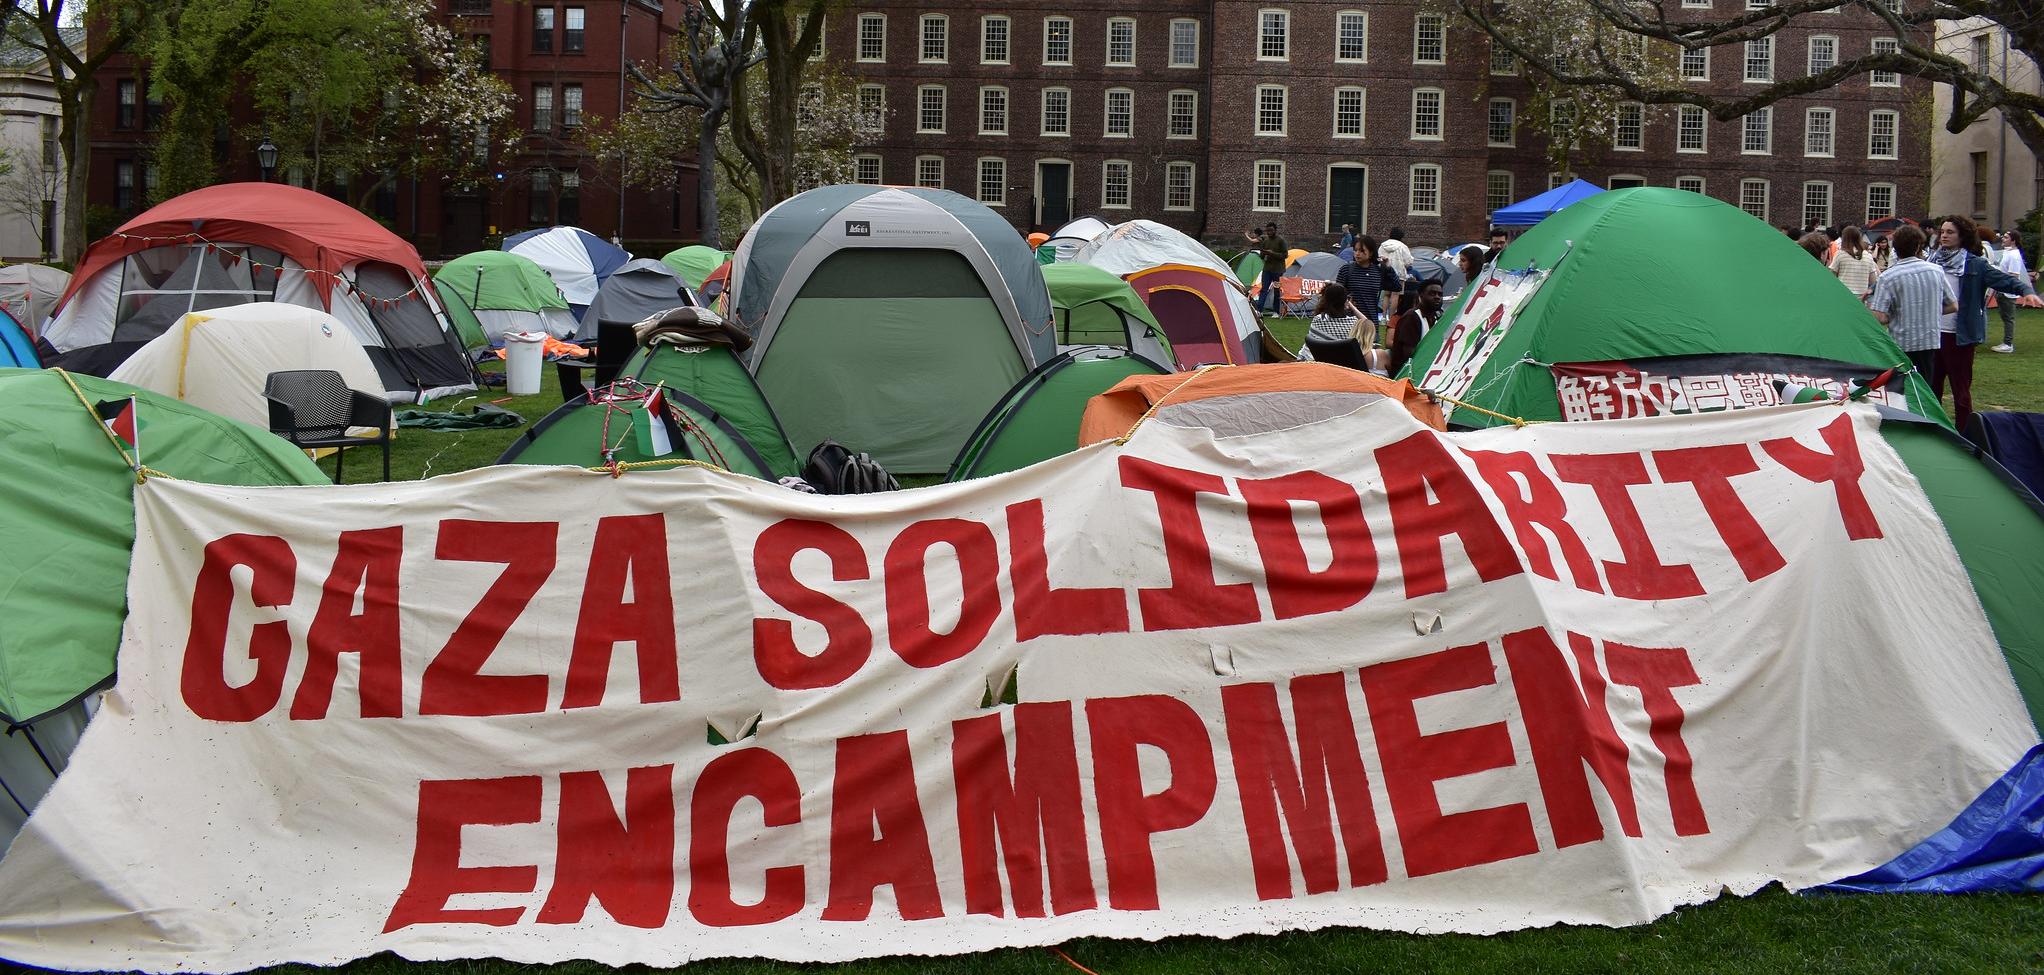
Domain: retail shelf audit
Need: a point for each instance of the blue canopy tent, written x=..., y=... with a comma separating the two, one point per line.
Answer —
x=1532, y=210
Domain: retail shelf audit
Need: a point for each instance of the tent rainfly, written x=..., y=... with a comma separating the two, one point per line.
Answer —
x=694, y=262
x=576, y=259
x=218, y=360
x=29, y=292
x=1207, y=319
x=1039, y=418
x=640, y=289
x=1065, y=243
x=507, y=293
x=1142, y=244
x=1094, y=307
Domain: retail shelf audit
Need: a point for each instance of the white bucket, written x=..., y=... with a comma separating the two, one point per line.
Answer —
x=523, y=352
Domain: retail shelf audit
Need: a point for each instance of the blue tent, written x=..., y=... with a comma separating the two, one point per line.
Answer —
x=16, y=348
x=577, y=260
x=1528, y=212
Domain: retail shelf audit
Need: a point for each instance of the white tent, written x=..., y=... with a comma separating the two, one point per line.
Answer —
x=1074, y=235
x=1141, y=244
x=218, y=360
x=577, y=260
x=29, y=293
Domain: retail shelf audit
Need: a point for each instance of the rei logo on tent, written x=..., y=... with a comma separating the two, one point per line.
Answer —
x=858, y=228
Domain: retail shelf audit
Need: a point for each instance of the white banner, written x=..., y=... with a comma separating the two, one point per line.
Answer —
x=1357, y=673
x=1477, y=331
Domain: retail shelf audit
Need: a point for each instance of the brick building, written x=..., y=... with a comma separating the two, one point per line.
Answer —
x=562, y=59
x=1213, y=115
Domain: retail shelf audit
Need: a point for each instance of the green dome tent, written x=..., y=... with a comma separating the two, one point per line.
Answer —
x=1248, y=267
x=694, y=262
x=1039, y=418
x=506, y=293
x=1653, y=300
x=1093, y=307
x=462, y=317
x=67, y=520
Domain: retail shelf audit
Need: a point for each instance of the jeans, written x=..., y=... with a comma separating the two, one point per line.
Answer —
x=1267, y=299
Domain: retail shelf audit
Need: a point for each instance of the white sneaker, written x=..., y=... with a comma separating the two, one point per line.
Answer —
x=2004, y=347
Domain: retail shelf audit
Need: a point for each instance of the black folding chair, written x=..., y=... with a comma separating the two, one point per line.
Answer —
x=1338, y=352
x=315, y=408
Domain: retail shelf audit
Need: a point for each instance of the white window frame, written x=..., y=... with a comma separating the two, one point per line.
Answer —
x=979, y=180
x=1002, y=92
x=1618, y=127
x=943, y=24
x=1830, y=132
x=1490, y=122
x=1871, y=187
x=1683, y=115
x=943, y=109
x=1171, y=114
x=1130, y=23
x=879, y=173
x=1696, y=4
x=986, y=25
x=1191, y=171
x=1884, y=79
x=1698, y=180
x=1284, y=111
x=1766, y=113
x=1362, y=111
x=1682, y=65
x=1830, y=202
x=875, y=122
x=1256, y=171
x=1412, y=209
x=1043, y=113
x=1766, y=198
x=1894, y=133
x=1129, y=187
x=1284, y=34
x=1440, y=115
x=1758, y=50
x=1362, y=15
x=1171, y=57
x=1442, y=21
x=859, y=46
x=921, y=167
x=1810, y=63
x=1107, y=114
x=1509, y=194
x=1071, y=40
x=1510, y=67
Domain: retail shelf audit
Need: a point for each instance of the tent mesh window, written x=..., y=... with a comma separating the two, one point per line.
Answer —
x=161, y=284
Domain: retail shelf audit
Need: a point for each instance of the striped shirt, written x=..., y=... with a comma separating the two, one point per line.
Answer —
x=1327, y=328
x=1912, y=293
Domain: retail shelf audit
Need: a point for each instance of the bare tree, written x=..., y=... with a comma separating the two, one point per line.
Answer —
x=42, y=26
x=717, y=46
x=30, y=185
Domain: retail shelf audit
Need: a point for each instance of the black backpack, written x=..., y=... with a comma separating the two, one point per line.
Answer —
x=834, y=469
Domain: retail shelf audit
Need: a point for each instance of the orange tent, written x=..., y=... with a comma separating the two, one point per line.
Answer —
x=1115, y=412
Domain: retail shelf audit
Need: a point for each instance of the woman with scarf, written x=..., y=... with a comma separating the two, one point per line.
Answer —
x=1962, y=332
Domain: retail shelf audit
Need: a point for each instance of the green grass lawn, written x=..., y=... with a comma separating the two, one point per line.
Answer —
x=1773, y=932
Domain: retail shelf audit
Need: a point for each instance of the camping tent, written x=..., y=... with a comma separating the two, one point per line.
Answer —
x=1039, y=418
x=633, y=293
x=1066, y=242
x=29, y=292
x=1553, y=338
x=237, y=243
x=694, y=262
x=1446, y=270
x=576, y=259
x=1232, y=400
x=1314, y=266
x=1140, y=244
x=888, y=318
x=17, y=350
x=1540, y=206
x=1248, y=267
x=468, y=329
x=711, y=294
x=507, y=293
x=218, y=360
x=1094, y=307
x=1206, y=318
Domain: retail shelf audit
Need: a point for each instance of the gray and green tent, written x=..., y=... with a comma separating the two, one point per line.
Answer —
x=888, y=318
x=1039, y=418
x=1093, y=307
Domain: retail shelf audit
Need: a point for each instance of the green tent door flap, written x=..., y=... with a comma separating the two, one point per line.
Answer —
x=894, y=352
x=713, y=374
x=466, y=327
x=574, y=436
x=1039, y=418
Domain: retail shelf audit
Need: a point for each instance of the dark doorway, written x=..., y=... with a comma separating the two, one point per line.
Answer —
x=1054, y=194
x=1346, y=188
x=463, y=216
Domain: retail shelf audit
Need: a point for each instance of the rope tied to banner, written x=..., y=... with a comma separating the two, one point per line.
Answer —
x=1122, y=441
x=1519, y=422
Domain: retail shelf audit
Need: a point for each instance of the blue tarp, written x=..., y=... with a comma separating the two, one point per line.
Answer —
x=2016, y=440
x=16, y=349
x=1528, y=212
x=1997, y=844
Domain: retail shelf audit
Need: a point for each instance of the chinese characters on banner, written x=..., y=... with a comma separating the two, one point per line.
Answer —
x=1619, y=390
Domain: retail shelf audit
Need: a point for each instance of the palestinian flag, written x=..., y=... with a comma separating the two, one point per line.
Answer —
x=652, y=427
x=1798, y=393
x=1857, y=389
x=122, y=416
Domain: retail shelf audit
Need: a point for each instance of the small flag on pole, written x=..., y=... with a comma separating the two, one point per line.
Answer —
x=1860, y=389
x=1798, y=393
x=121, y=417
x=650, y=425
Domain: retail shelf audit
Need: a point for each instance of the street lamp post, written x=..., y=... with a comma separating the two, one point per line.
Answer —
x=266, y=157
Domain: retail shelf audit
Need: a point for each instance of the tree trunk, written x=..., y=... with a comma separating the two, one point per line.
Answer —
x=75, y=131
x=707, y=223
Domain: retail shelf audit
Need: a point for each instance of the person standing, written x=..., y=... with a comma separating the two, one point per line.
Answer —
x=1910, y=297
x=2012, y=263
x=1498, y=239
x=1962, y=332
x=1472, y=260
x=1367, y=279
x=1413, y=326
x=1853, y=265
x=1398, y=258
x=1348, y=237
x=1272, y=249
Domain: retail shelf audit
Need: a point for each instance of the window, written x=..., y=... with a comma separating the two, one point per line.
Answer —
x=1352, y=36
x=542, y=108
x=539, y=205
x=1057, y=111
x=1819, y=126
x=993, y=40
x=1561, y=116
x=1881, y=128
x=1503, y=119
x=1057, y=40
x=1182, y=121
x=1979, y=160
x=124, y=103
x=1178, y=186
x=1348, y=113
x=872, y=107
x=1114, y=184
x=50, y=145
x=572, y=19
x=1556, y=179
x=1760, y=59
x=1628, y=127
x=1696, y=65
x=1269, y=186
x=1426, y=113
x=866, y=169
x=1696, y=4
x=1270, y=110
x=1693, y=184
x=936, y=35
x=1691, y=132
x=570, y=212
x=807, y=101
x=1497, y=190
x=1753, y=197
x=1880, y=201
x=571, y=106
x=1423, y=198
x=1981, y=56
x=1823, y=53
x=1759, y=4
x=1274, y=36
x=822, y=31
x=1759, y=138
x=1430, y=40
x=1121, y=42
x=124, y=184
x=1185, y=43
x=930, y=172
x=1121, y=110
x=542, y=30
x=993, y=111
x=930, y=108
x=993, y=182
x=1625, y=182
x=872, y=37
x=1817, y=203
x=1885, y=79
x=1503, y=61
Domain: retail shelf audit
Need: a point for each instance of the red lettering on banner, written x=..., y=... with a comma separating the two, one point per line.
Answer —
x=1710, y=471
x=1641, y=574
x=628, y=548
x=1129, y=817
x=1040, y=608
x=1434, y=842
x=627, y=866
x=366, y=563
x=1040, y=798
x=908, y=590
x=1329, y=758
x=875, y=786
x=1841, y=468
x=1567, y=725
x=1414, y=467
x=273, y=573
x=1539, y=505
x=454, y=682
x=1296, y=590
x=1656, y=672
x=748, y=773
x=848, y=642
x=1193, y=599
x=437, y=874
